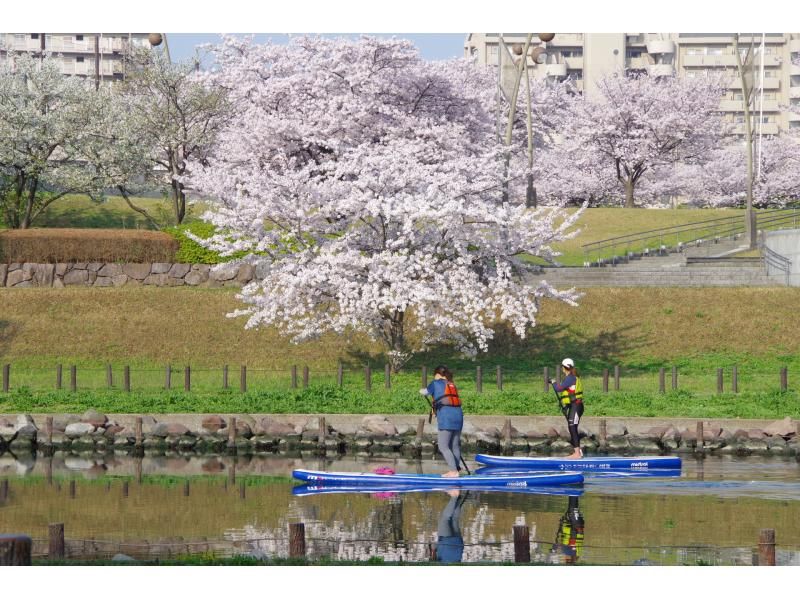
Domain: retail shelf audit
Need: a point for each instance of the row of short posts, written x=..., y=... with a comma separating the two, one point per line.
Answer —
x=387, y=375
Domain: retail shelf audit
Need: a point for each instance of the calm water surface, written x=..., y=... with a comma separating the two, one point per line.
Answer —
x=172, y=506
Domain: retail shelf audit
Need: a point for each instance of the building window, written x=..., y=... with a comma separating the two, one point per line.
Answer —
x=715, y=51
x=578, y=53
x=575, y=74
x=79, y=59
x=34, y=36
x=78, y=38
x=794, y=124
x=633, y=53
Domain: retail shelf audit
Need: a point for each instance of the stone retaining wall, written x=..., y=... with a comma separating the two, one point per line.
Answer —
x=210, y=434
x=99, y=274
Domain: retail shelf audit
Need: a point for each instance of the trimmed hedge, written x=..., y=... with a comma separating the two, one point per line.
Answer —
x=66, y=245
x=190, y=252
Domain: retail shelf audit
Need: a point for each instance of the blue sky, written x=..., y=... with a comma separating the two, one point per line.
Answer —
x=433, y=46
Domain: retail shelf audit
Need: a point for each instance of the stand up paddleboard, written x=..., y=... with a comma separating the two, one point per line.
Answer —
x=311, y=490
x=515, y=480
x=585, y=464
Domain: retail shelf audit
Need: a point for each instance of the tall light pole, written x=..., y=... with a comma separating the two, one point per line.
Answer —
x=745, y=68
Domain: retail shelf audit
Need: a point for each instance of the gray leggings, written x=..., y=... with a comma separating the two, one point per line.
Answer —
x=450, y=446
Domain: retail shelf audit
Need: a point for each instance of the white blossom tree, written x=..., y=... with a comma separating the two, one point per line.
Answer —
x=639, y=123
x=366, y=185
x=43, y=121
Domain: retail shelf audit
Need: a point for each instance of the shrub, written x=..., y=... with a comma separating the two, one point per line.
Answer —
x=189, y=252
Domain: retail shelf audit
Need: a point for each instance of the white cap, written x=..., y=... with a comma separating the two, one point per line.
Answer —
x=568, y=363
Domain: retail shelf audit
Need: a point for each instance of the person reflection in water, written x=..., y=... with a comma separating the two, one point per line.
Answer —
x=568, y=546
x=450, y=544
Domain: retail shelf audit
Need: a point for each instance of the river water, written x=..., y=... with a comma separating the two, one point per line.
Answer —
x=167, y=507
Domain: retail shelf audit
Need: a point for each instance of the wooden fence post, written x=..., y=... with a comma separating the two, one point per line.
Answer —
x=387, y=376
x=784, y=379
x=719, y=381
x=48, y=429
x=616, y=377
x=735, y=379
x=109, y=376
x=294, y=376
x=137, y=431
x=699, y=443
x=187, y=378
x=15, y=549
x=323, y=431
x=424, y=376
x=605, y=380
x=661, y=381
x=674, y=378
x=340, y=375
x=59, y=376
x=231, y=433
x=507, y=433
x=479, y=379
x=297, y=540
x=546, y=378
x=225, y=377
x=126, y=378
x=766, y=547
x=305, y=376
x=368, y=378
x=499, y=378
x=168, y=377
x=522, y=544
x=73, y=378
x=6, y=376
x=55, y=532
x=243, y=379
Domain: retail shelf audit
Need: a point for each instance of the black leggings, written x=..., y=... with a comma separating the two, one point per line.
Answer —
x=573, y=414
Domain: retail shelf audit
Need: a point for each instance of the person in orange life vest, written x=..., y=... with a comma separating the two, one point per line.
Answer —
x=449, y=417
x=570, y=394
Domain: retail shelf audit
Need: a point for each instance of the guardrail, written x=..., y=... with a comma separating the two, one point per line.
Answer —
x=671, y=239
x=776, y=261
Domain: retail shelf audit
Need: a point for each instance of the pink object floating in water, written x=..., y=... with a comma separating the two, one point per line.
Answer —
x=384, y=471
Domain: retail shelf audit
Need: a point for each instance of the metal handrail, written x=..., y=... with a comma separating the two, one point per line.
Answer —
x=777, y=261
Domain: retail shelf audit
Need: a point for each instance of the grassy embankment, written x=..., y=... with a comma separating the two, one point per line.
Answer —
x=642, y=330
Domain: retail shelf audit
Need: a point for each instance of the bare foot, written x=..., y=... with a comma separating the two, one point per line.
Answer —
x=450, y=474
x=453, y=493
x=575, y=455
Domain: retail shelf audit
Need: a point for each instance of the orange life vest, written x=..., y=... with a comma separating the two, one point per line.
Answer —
x=451, y=392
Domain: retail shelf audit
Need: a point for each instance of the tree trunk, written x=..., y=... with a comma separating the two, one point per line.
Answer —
x=178, y=201
x=629, y=188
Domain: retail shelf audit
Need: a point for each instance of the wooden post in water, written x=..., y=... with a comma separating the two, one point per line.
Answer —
x=507, y=434
x=368, y=378
x=603, y=433
x=137, y=431
x=55, y=532
x=186, y=488
x=305, y=376
x=339, y=375
x=137, y=464
x=616, y=377
x=187, y=378
x=225, y=377
x=59, y=376
x=323, y=431
x=700, y=440
x=546, y=378
x=232, y=433
x=387, y=376
x=15, y=549
x=168, y=376
x=72, y=488
x=499, y=378
x=294, y=376
x=109, y=376
x=6, y=378
x=126, y=378
x=243, y=379
x=420, y=431
x=48, y=429
x=605, y=380
x=297, y=540
x=73, y=378
x=231, y=481
x=522, y=544
x=3, y=489
x=784, y=379
x=719, y=381
x=766, y=547
x=479, y=379
x=661, y=381
x=424, y=376
x=125, y=489
x=735, y=379
x=242, y=491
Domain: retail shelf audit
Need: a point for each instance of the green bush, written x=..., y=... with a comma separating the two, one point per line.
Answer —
x=190, y=252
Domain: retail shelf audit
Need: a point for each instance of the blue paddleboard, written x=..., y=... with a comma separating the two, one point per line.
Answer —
x=590, y=475
x=309, y=490
x=586, y=464
x=375, y=480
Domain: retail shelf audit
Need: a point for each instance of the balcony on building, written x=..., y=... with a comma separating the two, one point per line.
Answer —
x=794, y=45
x=766, y=128
x=769, y=83
x=794, y=93
x=795, y=116
x=554, y=70
x=728, y=105
x=660, y=70
x=660, y=46
x=794, y=70
x=567, y=39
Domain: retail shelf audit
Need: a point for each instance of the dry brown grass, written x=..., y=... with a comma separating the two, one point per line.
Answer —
x=156, y=325
x=58, y=245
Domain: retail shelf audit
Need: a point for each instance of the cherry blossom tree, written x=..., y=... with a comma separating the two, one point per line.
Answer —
x=639, y=123
x=365, y=184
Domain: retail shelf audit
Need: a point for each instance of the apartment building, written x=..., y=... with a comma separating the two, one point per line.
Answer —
x=585, y=57
x=101, y=56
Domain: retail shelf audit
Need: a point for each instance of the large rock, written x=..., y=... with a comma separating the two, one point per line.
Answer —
x=214, y=423
x=158, y=280
x=110, y=270
x=198, y=274
x=376, y=424
x=246, y=273
x=160, y=268
x=120, y=280
x=176, y=429
x=76, y=277
x=94, y=418
x=784, y=427
x=756, y=434
x=159, y=430
x=23, y=421
x=136, y=271
x=44, y=274
x=273, y=427
x=103, y=281
x=615, y=429
x=179, y=270
x=78, y=429
x=223, y=272
x=60, y=423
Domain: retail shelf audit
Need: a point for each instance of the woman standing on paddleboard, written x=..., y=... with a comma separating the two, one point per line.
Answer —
x=570, y=395
x=449, y=417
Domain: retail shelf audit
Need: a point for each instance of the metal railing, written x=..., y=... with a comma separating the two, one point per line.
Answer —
x=671, y=239
x=774, y=260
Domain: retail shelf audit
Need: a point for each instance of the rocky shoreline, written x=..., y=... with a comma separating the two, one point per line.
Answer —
x=177, y=434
